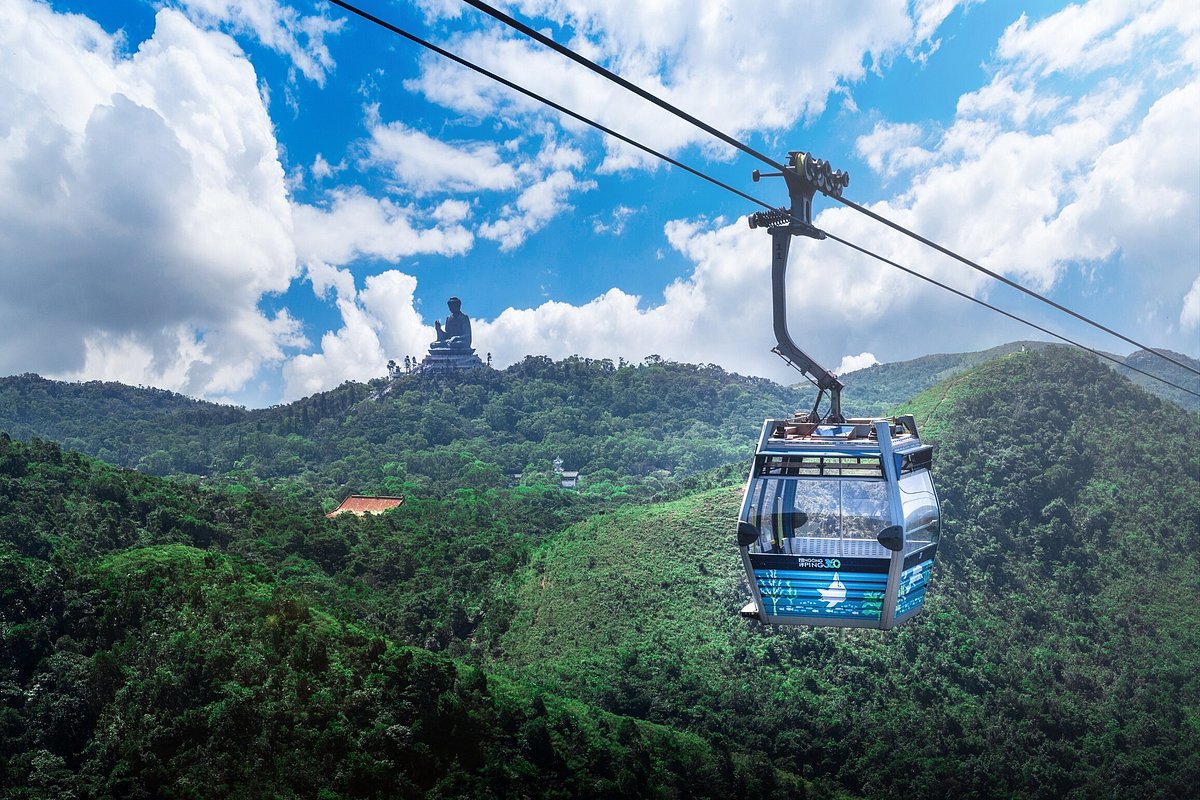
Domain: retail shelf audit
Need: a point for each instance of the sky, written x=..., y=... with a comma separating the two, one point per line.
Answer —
x=250, y=202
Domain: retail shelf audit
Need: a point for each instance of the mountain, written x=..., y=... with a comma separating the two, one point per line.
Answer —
x=1147, y=361
x=649, y=423
x=162, y=637
x=878, y=389
x=1057, y=653
x=632, y=430
x=151, y=646
x=613, y=423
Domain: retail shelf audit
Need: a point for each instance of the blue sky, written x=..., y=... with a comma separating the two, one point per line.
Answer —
x=254, y=201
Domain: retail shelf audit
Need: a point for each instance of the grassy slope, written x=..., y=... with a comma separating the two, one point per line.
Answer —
x=649, y=592
x=1057, y=653
x=876, y=390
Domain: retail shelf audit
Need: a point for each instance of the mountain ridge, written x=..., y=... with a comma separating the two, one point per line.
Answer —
x=1056, y=654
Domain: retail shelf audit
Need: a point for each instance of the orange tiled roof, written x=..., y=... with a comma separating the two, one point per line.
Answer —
x=361, y=504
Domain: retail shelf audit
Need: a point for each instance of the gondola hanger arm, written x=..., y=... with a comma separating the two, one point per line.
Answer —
x=804, y=176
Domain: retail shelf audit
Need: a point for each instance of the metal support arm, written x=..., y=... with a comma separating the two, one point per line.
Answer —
x=781, y=240
x=804, y=176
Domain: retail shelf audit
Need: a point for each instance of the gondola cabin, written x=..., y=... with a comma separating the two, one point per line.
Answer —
x=840, y=523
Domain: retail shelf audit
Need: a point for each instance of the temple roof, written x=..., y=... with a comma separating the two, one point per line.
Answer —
x=363, y=504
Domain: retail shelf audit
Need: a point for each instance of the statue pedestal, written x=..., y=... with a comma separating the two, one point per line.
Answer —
x=449, y=361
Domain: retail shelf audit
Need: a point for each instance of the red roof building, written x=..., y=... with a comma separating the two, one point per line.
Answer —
x=361, y=504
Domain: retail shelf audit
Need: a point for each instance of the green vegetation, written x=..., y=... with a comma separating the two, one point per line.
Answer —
x=167, y=638
x=877, y=390
x=139, y=660
x=634, y=431
x=1146, y=361
x=1057, y=654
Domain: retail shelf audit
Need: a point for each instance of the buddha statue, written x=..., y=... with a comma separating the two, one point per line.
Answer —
x=456, y=336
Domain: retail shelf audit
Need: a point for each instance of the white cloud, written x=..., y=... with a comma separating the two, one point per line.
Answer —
x=1044, y=179
x=854, y=363
x=1189, y=317
x=718, y=61
x=322, y=170
x=892, y=148
x=1097, y=35
x=543, y=179
x=378, y=323
x=533, y=209
x=419, y=163
x=279, y=27
x=721, y=313
x=356, y=225
x=615, y=225
x=712, y=316
x=143, y=211
x=1002, y=98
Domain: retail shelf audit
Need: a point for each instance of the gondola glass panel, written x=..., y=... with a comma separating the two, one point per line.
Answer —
x=922, y=525
x=832, y=525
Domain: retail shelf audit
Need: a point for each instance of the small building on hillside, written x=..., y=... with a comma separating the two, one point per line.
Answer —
x=361, y=505
x=567, y=479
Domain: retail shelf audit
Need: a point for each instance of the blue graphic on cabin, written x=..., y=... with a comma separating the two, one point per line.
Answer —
x=821, y=593
x=913, y=582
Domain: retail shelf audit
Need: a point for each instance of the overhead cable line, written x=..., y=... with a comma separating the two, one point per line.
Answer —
x=640, y=92
x=541, y=99
x=617, y=79
x=979, y=267
x=986, y=304
x=633, y=143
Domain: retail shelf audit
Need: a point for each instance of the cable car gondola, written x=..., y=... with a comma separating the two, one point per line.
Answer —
x=840, y=521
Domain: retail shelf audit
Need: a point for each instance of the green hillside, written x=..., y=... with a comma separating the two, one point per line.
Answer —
x=878, y=389
x=185, y=638
x=138, y=658
x=1057, y=654
x=634, y=431
x=627, y=428
x=1146, y=361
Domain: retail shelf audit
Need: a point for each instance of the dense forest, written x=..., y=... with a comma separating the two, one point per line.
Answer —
x=628, y=428
x=160, y=640
x=177, y=637
x=1057, y=654
x=633, y=430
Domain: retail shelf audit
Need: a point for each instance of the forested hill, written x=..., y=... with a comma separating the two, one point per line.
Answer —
x=655, y=420
x=879, y=388
x=161, y=638
x=633, y=430
x=1058, y=654
x=1147, y=361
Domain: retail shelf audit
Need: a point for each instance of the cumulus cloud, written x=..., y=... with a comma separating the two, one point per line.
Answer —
x=1088, y=37
x=893, y=148
x=721, y=312
x=378, y=323
x=854, y=363
x=696, y=55
x=1094, y=180
x=354, y=225
x=534, y=165
x=420, y=163
x=533, y=209
x=143, y=211
x=280, y=27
